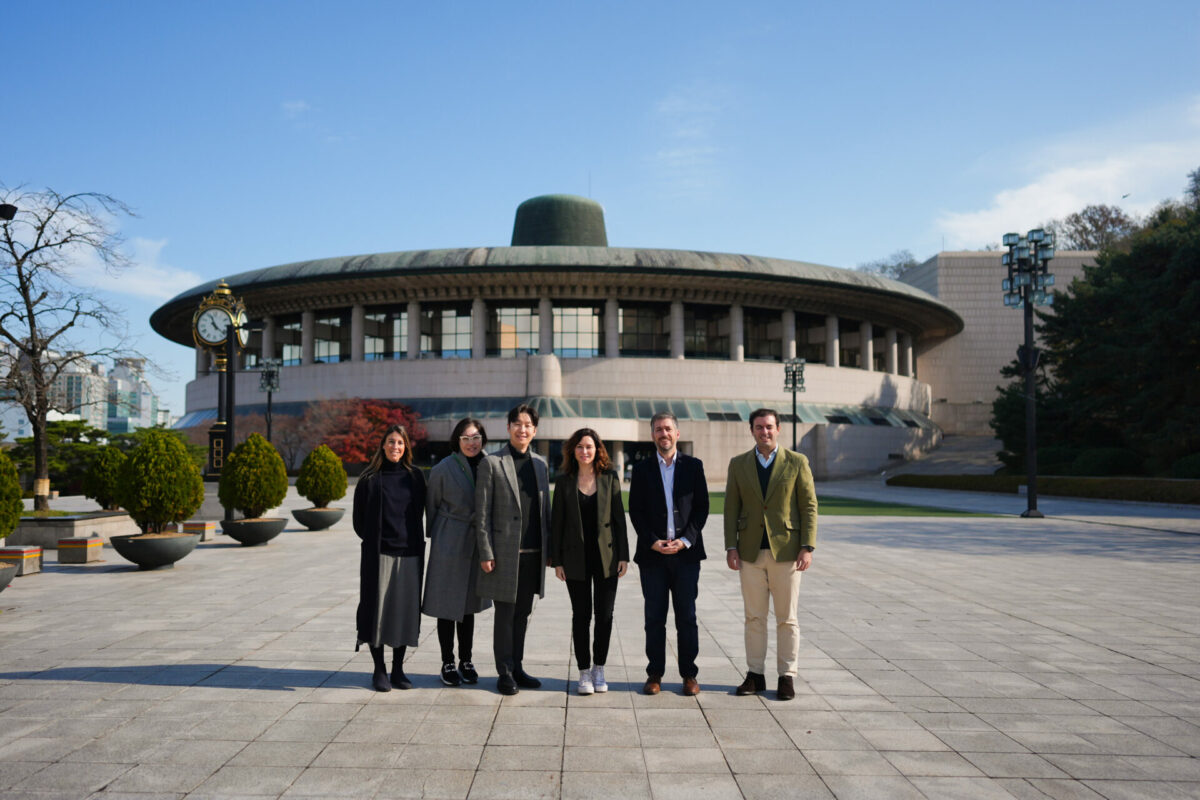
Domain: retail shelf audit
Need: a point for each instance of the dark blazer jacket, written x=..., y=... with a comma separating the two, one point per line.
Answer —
x=648, y=508
x=567, y=548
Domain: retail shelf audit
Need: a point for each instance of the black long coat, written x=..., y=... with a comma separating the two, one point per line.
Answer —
x=368, y=525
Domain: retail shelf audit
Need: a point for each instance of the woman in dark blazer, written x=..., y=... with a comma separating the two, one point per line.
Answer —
x=454, y=550
x=389, y=506
x=589, y=548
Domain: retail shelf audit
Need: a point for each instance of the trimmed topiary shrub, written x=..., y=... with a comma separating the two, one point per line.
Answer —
x=159, y=483
x=1103, y=462
x=1187, y=467
x=100, y=481
x=10, y=496
x=322, y=478
x=253, y=478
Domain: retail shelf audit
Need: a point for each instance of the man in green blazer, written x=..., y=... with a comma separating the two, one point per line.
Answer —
x=770, y=533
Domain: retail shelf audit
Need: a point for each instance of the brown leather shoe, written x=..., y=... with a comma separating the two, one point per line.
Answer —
x=753, y=684
x=785, y=691
x=653, y=685
x=690, y=687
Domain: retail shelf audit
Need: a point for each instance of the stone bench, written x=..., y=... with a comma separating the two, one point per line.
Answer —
x=45, y=532
x=79, y=550
x=28, y=558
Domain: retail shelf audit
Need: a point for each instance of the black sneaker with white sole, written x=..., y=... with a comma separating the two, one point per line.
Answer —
x=450, y=676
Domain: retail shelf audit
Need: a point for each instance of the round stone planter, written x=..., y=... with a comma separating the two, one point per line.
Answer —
x=154, y=551
x=251, y=532
x=318, y=519
x=7, y=573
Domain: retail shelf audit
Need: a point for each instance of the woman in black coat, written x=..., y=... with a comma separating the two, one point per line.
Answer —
x=589, y=548
x=389, y=506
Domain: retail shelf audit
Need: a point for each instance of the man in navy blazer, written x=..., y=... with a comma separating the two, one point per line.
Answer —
x=668, y=505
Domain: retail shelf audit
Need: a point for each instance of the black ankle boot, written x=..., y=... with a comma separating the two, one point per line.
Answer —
x=379, y=679
x=399, y=679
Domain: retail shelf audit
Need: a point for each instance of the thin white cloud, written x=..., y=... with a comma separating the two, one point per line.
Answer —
x=146, y=276
x=1132, y=166
x=293, y=109
x=687, y=159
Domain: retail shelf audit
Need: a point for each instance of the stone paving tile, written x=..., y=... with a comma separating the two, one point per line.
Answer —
x=870, y=787
x=1014, y=765
x=358, y=754
x=521, y=757
x=66, y=777
x=160, y=778
x=777, y=762
x=602, y=786
x=337, y=782
x=591, y=758
x=959, y=788
x=664, y=786
x=1142, y=790
x=849, y=762
x=417, y=756
x=278, y=754
x=687, y=760
x=516, y=785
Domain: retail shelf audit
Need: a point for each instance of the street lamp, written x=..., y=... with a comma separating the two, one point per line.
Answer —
x=268, y=381
x=1028, y=285
x=793, y=381
x=7, y=211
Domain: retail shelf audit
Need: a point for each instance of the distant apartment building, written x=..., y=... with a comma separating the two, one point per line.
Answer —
x=132, y=403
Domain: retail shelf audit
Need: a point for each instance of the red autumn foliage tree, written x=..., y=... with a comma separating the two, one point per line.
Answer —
x=357, y=436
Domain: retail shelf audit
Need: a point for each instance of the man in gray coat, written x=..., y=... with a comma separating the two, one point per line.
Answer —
x=512, y=522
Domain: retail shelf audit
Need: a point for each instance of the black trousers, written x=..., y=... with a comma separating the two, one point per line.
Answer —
x=671, y=583
x=466, y=638
x=582, y=603
x=512, y=619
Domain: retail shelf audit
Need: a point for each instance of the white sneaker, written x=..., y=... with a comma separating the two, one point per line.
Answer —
x=585, y=682
x=598, y=682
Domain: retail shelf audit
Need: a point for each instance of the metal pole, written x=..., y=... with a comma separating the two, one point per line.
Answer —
x=230, y=406
x=269, y=415
x=795, y=420
x=1030, y=365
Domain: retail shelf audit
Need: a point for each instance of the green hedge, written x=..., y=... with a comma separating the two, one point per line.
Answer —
x=1153, y=490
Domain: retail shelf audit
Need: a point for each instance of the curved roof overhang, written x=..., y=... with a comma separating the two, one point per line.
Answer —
x=562, y=271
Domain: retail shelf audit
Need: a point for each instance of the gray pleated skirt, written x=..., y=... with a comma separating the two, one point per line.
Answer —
x=398, y=614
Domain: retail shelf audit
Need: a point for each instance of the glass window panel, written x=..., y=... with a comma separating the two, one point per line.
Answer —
x=645, y=410
x=512, y=330
x=627, y=408
x=589, y=407
x=608, y=408
x=287, y=339
x=445, y=330
x=696, y=409
x=385, y=333
x=331, y=337
x=644, y=329
x=578, y=331
x=705, y=331
x=763, y=334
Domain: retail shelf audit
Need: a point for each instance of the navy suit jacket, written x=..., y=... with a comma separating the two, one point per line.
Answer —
x=648, y=508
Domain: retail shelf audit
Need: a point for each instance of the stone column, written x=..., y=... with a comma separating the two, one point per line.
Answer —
x=306, y=337
x=788, y=321
x=478, y=328
x=357, y=342
x=414, y=330
x=545, y=327
x=737, y=333
x=891, y=351
x=612, y=328
x=268, y=338
x=677, y=329
x=866, y=343
x=906, y=345
x=616, y=453
x=833, y=344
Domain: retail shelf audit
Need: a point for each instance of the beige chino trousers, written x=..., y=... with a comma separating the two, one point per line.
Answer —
x=763, y=580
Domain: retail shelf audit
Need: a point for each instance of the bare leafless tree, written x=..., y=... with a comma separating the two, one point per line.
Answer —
x=47, y=324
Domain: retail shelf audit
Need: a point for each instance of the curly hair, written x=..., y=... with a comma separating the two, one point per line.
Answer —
x=570, y=466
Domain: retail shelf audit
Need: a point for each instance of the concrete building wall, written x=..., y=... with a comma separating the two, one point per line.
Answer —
x=964, y=370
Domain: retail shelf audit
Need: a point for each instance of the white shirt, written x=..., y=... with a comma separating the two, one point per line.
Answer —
x=766, y=461
x=667, y=471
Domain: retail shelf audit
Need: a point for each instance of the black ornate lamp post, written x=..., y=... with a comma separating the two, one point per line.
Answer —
x=7, y=211
x=268, y=381
x=793, y=381
x=1026, y=286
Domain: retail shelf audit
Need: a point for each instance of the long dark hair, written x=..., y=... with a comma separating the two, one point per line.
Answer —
x=462, y=425
x=376, y=462
x=570, y=465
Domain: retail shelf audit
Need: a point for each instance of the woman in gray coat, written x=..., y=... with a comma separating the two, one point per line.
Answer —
x=454, y=550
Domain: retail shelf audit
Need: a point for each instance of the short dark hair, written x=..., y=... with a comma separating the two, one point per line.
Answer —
x=763, y=412
x=664, y=415
x=515, y=414
x=463, y=424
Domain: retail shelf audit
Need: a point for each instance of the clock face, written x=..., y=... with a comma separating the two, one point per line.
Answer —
x=211, y=325
x=242, y=333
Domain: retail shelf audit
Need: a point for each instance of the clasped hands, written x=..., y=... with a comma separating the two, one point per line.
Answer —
x=668, y=547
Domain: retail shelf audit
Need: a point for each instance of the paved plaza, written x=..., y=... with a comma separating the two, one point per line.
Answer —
x=972, y=657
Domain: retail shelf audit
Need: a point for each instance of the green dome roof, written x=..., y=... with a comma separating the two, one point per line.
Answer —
x=559, y=219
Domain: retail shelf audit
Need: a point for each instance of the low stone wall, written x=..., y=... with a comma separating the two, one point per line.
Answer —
x=46, y=532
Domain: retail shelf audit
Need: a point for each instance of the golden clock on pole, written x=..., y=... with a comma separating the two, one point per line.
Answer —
x=215, y=317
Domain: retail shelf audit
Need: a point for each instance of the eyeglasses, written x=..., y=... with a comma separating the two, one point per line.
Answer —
x=471, y=439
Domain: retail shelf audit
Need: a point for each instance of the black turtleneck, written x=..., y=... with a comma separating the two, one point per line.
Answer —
x=531, y=512
x=396, y=500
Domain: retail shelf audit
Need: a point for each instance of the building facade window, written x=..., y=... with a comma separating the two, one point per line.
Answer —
x=287, y=339
x=764, y=335
x=385, y=333
x=252, y=352
x=578, y=331
x=512, y=330
x=645, y=329
x=810, y=338
x=331, y=337
x=850, y=335
x=445, y=330
x=705, y=331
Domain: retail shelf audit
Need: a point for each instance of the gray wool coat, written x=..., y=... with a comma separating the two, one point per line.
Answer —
x=453, y=557
x=498, y=523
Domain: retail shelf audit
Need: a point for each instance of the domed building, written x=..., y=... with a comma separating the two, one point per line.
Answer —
x=592, y=335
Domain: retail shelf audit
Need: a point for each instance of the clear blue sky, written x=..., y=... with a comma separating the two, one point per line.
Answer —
x=248, y=134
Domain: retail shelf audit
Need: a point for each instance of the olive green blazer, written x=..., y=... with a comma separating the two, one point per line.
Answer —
x=788, y=512
x=566, y=526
